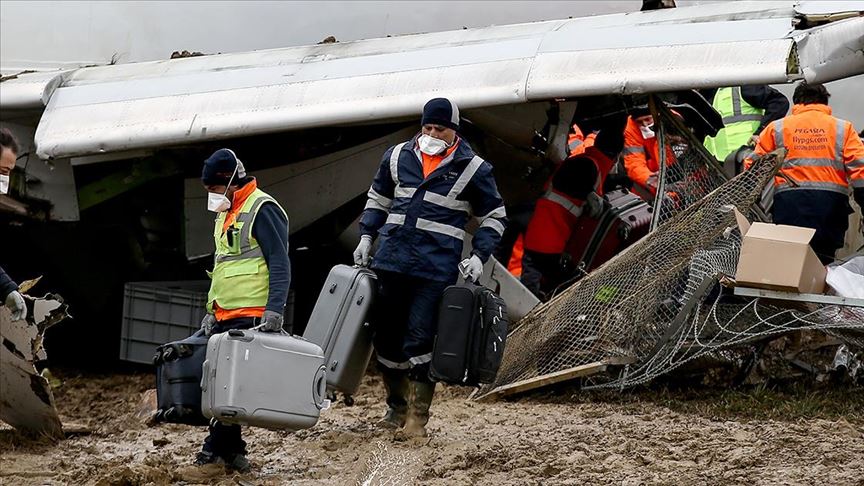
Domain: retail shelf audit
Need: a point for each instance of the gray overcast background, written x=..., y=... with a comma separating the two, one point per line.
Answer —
x=61, y=33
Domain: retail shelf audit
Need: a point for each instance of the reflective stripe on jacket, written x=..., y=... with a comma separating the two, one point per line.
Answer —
x=552, y=224
x=577, y=142
x=641, y=155
x=421, y=221
x=822, y=152
x=240, y=277
x=740, y=120
x=824, y=157
x=557, y=212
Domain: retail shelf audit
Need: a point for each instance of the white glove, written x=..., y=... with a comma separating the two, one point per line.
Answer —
x=361, y=254
x=15, y=303
x=207, y=324
x=471, y=268
x=653, y=181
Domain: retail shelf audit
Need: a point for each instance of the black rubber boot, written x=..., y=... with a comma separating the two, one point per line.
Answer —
x=418, y=410
x=396, y=383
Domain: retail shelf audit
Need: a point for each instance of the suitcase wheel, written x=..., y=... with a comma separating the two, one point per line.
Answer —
x=348, y=400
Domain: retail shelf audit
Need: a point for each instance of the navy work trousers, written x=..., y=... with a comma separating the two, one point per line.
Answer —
x=406, y=321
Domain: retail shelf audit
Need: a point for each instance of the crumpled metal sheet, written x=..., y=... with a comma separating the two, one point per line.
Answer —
x=26, y=401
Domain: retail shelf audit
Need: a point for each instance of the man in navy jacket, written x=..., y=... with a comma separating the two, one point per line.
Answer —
x=421, y=199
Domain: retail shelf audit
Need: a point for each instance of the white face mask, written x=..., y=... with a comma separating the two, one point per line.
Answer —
x=4, y=184
x=647, y=132
x=219, y=202
x=430, y=145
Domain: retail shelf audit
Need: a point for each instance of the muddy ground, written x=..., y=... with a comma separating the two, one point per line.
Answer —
x=552, y=438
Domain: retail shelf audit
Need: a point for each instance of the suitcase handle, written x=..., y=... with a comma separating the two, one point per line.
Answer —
x=319, y=387
x=205, y=373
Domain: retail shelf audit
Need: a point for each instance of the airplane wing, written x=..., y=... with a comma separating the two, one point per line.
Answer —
x=152, y=104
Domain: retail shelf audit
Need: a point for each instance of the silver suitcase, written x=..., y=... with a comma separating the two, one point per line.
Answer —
x=269, y=380
x=339, y=324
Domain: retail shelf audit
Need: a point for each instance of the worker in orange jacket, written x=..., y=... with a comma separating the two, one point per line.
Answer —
x=556, y=216
x=577, y=142
x=824, y=158
x=642, y=155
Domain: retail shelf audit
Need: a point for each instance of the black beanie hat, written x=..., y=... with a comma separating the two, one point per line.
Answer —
x=441, y=111
x=219, y=168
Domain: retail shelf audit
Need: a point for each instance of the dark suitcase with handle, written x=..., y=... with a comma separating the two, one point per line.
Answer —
x=178, y=380
x=472, y=331
x=624, y=220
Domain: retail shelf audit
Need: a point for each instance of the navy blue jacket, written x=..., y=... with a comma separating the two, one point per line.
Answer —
x=421, y=221
x=271, y=231
x=7, y=286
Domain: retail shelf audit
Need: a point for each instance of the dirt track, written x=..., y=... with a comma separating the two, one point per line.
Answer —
x=533, y=441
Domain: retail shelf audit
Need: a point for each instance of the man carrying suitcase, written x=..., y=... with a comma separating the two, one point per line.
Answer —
x=250, y=278
x=419, y=204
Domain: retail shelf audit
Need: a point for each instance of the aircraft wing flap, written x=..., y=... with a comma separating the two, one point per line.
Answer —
x=138, y=106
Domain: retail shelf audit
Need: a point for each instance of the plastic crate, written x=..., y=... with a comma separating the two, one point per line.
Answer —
x=155, y=313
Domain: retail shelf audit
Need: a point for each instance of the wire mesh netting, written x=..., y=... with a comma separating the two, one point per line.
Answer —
x=660, y=304
x=687, y=173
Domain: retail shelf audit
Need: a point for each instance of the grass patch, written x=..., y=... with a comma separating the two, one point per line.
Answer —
x=764, y=402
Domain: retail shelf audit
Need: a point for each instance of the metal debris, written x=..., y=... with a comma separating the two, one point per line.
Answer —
x=26, y=401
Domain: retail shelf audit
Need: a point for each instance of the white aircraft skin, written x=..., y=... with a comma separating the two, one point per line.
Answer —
x=39, y=35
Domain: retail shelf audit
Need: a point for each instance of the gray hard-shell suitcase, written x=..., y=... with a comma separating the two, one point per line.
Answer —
x=269, y=380
x=339, y=324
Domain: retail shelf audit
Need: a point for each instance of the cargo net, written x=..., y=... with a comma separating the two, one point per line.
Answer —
x=689, y=171
x=658, y=304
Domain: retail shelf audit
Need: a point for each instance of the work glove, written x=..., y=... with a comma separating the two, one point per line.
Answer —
x=361, y=254
x=652, y=182
x=595, y=205
x=271, y=321
x=207, y=324
x=15, y=303
x=471, y=268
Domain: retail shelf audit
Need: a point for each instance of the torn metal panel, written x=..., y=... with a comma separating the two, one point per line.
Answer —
x=832, y=51
x=828, y=8
x=26, y=401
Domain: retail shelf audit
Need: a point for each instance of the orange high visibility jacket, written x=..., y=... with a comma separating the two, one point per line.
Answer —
x=642, y=155
x=577, y=142
x=557, y=213
x=822, y=152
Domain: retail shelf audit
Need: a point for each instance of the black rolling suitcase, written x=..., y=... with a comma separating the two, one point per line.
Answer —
x=472, y=330
x=178, y=380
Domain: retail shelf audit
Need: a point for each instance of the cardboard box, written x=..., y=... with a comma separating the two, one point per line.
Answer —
x=778, y=257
